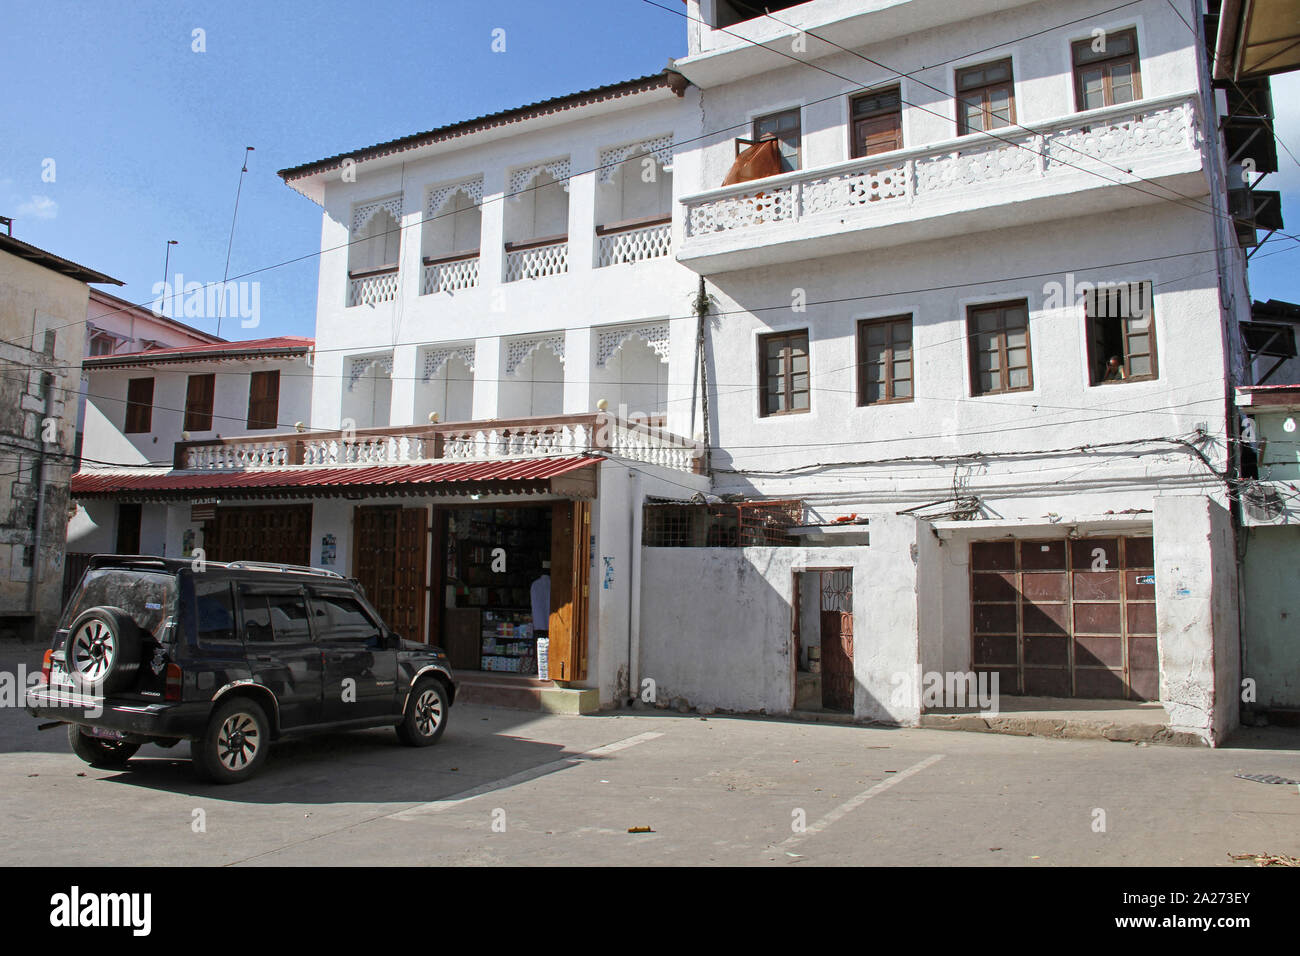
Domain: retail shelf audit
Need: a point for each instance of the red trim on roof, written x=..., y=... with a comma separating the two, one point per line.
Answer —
x=328, y=480
x=250, y=348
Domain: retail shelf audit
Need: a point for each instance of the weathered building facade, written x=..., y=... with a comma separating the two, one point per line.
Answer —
x=42, y=334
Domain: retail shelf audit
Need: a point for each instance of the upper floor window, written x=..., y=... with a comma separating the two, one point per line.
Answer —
x=986, y=97
x=263, y=399
x=999, y=347
x=877, y=122
x=783, y=375
x=1106, y=70
x=199, y=393
x=885, y=360
x=786, y=127
x=101, y=343
x=139, y=405
x=1121, y=333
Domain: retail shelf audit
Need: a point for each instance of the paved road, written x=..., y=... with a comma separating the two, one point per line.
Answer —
x=505, y=787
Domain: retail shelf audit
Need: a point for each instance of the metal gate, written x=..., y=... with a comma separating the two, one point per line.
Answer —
x=1066, y=618
x=837, y=640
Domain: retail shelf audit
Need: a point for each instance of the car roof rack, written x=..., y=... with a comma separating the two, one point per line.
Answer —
x=295, y=568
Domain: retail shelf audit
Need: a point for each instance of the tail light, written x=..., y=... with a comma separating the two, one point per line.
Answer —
x=46, y=665
x=174, y=675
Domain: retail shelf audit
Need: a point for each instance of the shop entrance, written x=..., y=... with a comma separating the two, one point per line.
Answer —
x=509, y=575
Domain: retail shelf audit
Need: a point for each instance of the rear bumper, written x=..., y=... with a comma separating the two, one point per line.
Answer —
x=184, y=721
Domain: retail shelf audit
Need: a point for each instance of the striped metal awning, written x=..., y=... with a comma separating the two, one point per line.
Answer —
x=529, y=476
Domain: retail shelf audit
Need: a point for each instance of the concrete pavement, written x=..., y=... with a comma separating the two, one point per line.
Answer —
x=508, y=787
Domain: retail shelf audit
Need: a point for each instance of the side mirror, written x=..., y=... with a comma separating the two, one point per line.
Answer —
x=392, y=641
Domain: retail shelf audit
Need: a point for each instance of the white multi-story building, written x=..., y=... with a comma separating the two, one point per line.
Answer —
x=961, y=366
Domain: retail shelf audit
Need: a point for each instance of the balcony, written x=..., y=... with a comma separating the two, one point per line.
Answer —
x=1065, y=168
x=453, y=273
x=537, y=258
x=517, y=439
x=634, y=240
x=375, y=285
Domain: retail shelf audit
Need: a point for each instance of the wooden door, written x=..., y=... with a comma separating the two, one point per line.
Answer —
x=390, y=560
x=878, y=134
x=570, y=579
x=277, y=534
x=837, y=640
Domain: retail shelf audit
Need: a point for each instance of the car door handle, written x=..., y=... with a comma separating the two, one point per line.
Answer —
x=264, y=659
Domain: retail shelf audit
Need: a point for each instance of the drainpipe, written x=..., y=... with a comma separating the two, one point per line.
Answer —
x=47, y=386
x=634, y=583
x=702, y=310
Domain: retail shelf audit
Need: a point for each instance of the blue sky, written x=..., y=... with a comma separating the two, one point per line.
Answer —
x=147, y=135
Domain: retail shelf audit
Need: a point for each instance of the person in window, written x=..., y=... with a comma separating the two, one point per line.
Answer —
x=1114, y=370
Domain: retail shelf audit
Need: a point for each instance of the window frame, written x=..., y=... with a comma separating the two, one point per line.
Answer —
x=959, y=95
x=888, y=322
x=1106, y=61
x=1096, y=362
x=786, y=375
x=798, y=144
x=258, y=422
x=197, y=418
x=1003, y=371
x=139, y=412
x=854, y=119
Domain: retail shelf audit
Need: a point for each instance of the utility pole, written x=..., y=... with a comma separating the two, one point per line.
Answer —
x=221, y=308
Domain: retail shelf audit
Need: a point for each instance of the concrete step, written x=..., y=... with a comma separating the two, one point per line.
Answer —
x=1099, y=727
x=525, y=693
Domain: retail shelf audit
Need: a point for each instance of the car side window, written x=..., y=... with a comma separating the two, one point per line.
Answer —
x=257, y=618
x=289, y=616
x=345, y=618
x=214, y=612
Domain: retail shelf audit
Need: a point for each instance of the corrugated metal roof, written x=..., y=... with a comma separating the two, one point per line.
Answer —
x=249, y=348
x=309, y=480
x=74, y=270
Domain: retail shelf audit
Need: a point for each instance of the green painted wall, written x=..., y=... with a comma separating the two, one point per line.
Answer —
x=1272, y=604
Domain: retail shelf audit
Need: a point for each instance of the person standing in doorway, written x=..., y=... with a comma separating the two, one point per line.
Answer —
x=541, y=600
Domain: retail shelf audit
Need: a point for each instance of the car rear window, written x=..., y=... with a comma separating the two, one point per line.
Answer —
x=149, y=597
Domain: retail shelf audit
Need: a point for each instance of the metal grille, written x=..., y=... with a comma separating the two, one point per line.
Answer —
x=752, y=524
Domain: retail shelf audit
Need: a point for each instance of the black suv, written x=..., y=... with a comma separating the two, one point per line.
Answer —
x=229, y=657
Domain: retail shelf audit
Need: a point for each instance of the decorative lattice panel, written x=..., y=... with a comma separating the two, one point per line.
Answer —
x=609, y=341
x=521, y=178
x=435, y=359
x=438, y=196
x=660, y=147
x=520, y=349
x=361, y=214
x=653, y=242
x=360, y=365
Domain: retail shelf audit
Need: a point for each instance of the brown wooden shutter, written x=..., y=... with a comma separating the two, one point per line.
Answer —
x=264, y=399
x=199, y=393
x=570, y=577
x=139, y=405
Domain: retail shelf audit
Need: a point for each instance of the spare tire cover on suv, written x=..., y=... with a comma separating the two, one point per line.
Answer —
x=103, y=650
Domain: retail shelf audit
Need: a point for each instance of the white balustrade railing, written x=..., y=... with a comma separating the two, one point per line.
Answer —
x=1095, y=141
x=620, y=439
x=367, y=290
x=250, y=454
x=520, y=442
x=450, y=276
x=653, y=447
x=364, y=450
x=634, y=245
x=539, y=261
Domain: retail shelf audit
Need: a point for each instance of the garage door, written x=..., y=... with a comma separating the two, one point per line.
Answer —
x=1066, y=618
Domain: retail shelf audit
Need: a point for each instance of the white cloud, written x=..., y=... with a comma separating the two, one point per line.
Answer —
x=37, y=207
